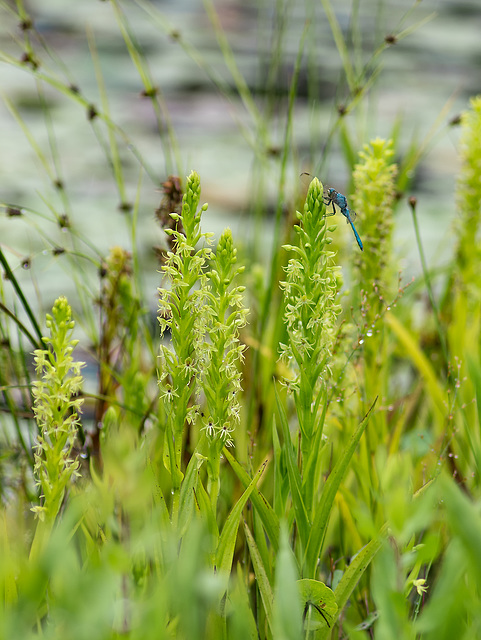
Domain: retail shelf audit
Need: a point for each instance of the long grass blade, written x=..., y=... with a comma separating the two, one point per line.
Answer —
x=295, y=482
x=264, y=509
x=225, y=548
x=323, y=512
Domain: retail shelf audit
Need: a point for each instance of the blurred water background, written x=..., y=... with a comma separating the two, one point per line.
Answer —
x=425, y=81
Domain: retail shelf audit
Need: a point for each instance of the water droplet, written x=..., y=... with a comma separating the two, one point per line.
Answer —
x=369, y=333
x=361, y=340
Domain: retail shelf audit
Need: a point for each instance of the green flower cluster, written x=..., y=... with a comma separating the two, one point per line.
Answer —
x=374, y=194
x=468, y=254
x=56, y=409
x=203, y=312
x=311, y=308
x=222, y=378
x=184, y=313
x=374, y=197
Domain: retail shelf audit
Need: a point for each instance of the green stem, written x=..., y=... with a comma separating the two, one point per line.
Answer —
x=442, y=339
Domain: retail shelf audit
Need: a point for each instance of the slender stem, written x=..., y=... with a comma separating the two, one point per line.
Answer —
x=442, y=339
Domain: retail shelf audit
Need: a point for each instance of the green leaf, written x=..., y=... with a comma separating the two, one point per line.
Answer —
x=186, y=498
x=204, y=507
x=281, y=482
x=159, y=501
x=262, y=543
x=464, y=520
x=241, y=620
x=287, y=610
x=321, y=520
x=314, y=463
x=262, y=580
x=474, y=369
x=354, y=571
x=319, y=603
x=260, y=504
x=225, y=548
x=302, y=520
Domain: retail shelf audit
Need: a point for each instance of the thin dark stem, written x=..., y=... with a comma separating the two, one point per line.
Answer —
x=442, y=339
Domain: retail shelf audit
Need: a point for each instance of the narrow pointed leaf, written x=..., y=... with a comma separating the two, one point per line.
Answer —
x=260, y=504
x=352, y=575
x=262, y=580
x=225, y=548
x=321, y=520
x=186, y=499
x=303, y=523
